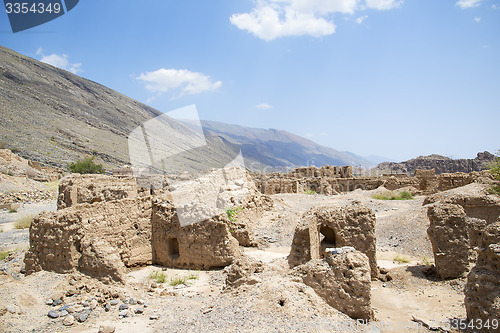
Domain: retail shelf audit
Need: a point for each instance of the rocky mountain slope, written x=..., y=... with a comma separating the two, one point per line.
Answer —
x=55, y=117
x=442, y=164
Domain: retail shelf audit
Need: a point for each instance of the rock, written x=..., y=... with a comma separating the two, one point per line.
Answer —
x=107, y=307
x=63, y=313
x=106, y=328
x=82, y=317
x=123, y=313
x=114, y=302
x=57, y=302
x=63, y=308
x=53, y=314
x=123, y=307
x=93, y=304
x=69, y=320
x=154, y=285
x=132, y=301
x=48, y=301
x=10, y=309
x=241, y=271
x=139, y=311
x=154, y=317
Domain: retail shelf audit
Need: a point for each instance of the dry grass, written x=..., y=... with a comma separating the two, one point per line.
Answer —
x=401, y=259
x=4, y=254
x=158, y=276
x=392, y=196
x=23, y=222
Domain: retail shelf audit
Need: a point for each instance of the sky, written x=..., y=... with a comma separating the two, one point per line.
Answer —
x=393, y=78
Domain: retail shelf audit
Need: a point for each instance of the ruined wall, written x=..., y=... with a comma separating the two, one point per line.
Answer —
x=77, y=189
x=343, y=281
x=482, y=291
x=457, y=221
x=99, y=239
x=333, y=227
x=450, y=240
x=197, y=246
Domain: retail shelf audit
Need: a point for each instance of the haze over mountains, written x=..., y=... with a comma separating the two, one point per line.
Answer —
x=55, y=117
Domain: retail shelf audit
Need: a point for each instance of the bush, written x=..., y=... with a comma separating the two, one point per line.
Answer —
x=310, y=192
x=86, y=165
x=400, y=259
x=23, y=222
x=4, y=254
x=391, y=196
x=495, y=171
x=232, y=213
x=158, y=276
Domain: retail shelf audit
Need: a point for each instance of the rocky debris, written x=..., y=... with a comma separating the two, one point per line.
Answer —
x=450, y=241
x=98, y=239
x=243, y=271
x=201, y=245
x=482, y=291
x=77, y=189
x=14, y=165
x=343, y=280
x=332, y=227
x=53, y=314
x=69, y=320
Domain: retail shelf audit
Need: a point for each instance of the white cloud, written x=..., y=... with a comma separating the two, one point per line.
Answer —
x=61, y=61
x=468, y=3
x=189, y=83
x=264, y=106
x=495, y=7
x=360, y=19
x=477, y=19
x=271, y=19
x=383, y=4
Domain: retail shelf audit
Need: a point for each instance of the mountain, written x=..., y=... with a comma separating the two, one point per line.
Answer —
x=441, y=164
x=56, y=117
x=277, y=149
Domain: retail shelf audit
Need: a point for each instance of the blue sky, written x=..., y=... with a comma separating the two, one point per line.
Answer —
x=382, y=77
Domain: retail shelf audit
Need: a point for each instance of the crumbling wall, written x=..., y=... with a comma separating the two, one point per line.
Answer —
x=482, y=291
x=333, y=227
x=201, y=245
x=343, y=281
x=77, y=189
x=450, y=240
x=100, y=239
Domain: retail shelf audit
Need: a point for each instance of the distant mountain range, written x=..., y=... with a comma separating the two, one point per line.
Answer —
x=55, y=117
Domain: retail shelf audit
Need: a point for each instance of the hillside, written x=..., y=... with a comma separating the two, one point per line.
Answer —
x=55, y=117
x=441, y=164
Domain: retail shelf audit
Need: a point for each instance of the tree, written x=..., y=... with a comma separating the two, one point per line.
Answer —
x=86, y=165
x=495, y=171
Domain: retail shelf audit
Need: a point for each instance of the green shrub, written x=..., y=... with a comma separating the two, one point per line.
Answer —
x=4, y=254
x=400, y=259
x=86, y=165
x=23, y=222
x=310, y=192
x=391, y=196
x=12, y=210
x=178, y=279
x=495, y=171
x=232, y=213
x=158, y=276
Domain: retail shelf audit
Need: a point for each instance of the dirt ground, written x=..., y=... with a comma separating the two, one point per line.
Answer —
x=275, y=303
